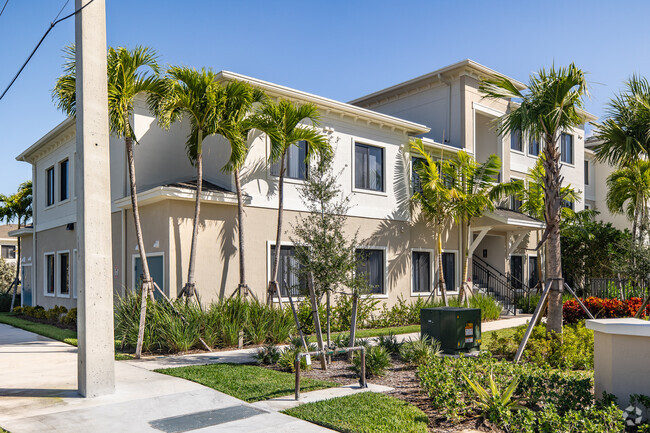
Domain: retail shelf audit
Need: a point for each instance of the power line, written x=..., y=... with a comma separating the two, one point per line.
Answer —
x=52, y=24
x=3, y=8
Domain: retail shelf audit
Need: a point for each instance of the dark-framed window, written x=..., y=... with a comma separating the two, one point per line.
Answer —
x=296, y=162
x=8, y=251
x=515, y=203
x=421, y=263
x=515, y=141
x=64, y=273
x=289, y=277
x=567, y=203
x=586, y=172
x=566, y=148
x=64, y=184
x=49, y=178
x=371, y=264
x=49, y=274
x=533, y=147
x=368, y=167
x=449, y=270
x=416, y=163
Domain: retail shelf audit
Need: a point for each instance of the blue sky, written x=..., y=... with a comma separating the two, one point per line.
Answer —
x=340, y=49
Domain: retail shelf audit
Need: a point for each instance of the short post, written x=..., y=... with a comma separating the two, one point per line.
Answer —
x=297, y=367
x=241, y=339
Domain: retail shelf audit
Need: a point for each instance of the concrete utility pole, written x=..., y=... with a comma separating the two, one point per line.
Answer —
x=96, y=369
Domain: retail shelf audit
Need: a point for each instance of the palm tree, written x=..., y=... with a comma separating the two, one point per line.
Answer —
x=17, y=207
x=474, y=190
x=434, y=199
x=625, y=134
x=197, y=95
x=128, y=78
x=628, y=192
x=552, y=104
x=236, y=125
x=283, y=122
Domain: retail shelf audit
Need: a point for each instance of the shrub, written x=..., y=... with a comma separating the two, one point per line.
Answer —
x=268, y=355
x=602, y=308
x=5, y=301
x=419, y=351
x=54, y=314
x=287, y=359
x=389, y=343
x=377, y=361
x=18, y=310
x=71, y=317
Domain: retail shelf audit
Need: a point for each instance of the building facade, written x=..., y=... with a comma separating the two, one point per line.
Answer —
x=370, y=137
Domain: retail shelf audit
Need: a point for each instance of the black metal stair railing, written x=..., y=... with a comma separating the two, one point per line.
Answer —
x=510, y=291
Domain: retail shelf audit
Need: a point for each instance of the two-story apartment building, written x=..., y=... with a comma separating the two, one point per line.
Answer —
x=370, y=137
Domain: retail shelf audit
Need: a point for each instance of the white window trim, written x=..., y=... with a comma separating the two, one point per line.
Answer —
x=432, y=259
x=457, y=269
x=73, y=276
x=385, y=252
x=588, y=163
x=383, y=192
x=156, y=254
x=57, y=281
x=47, y=191
x=573, y=149
x=269, y=244
x=531, y=155
x=45, y=255
x=273, y=178
x=58, y=180
x=23, y=269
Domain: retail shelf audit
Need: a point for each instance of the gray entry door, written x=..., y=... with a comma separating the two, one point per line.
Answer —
x=26, y=289
x=157, y=270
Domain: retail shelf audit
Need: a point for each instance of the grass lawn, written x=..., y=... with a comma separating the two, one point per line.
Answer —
x=50, y=331
x=502, y=333
x=365, y=412
x=246, y=382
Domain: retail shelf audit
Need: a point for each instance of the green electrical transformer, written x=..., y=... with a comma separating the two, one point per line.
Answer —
x=457, y=329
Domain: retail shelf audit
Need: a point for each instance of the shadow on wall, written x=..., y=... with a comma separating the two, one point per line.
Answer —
x=227, y=244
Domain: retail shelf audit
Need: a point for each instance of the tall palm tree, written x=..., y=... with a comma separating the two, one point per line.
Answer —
x=128, y=76
x=236, y=126
x=434, y=199
x=283, y=122
x=474, y=190
x=552, y=104
x=628, y=192
x=17, y=207
x=625, y=134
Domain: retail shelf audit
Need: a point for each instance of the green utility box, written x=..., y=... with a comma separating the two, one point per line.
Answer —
x=457, y=329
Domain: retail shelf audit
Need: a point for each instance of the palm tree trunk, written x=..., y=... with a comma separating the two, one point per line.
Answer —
x=274, y=287
x=553, y=249
x=441, y=276
x=190, y=290
x=13, y=296
x=240, y=228
x=147, y=286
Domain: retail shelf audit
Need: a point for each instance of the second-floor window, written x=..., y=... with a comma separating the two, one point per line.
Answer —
x=63, y=180
x=415, y=177
x=49, y=175
x=566, y=203
x=566, y=148
x=296, y=162
x=368, y=167
x=515, y=141
x=586, y=172
x=533, y=147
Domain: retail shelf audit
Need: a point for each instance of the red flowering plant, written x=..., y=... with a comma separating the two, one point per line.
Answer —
x=602, y=308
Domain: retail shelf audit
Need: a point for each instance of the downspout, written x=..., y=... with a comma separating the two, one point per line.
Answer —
x=35, y=263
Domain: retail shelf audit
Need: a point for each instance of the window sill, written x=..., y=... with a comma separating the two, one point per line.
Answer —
x=369, y=192
x=49, y=206
x=374, y=296
x=422, y=294
x=568, y=164
x=63, y=295
x=531, y=155
x=50, y=295
x=62, y=202
x=518, y=152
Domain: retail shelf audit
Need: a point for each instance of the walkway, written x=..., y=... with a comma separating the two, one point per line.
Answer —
x=38, y=378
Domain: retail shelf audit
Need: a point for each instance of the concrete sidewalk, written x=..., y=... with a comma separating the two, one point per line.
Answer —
x=38, y=380
x=246, y=356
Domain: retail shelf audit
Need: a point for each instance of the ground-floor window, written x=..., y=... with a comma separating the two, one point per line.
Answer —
x=289, y=277
x=74, y=274
x=449, y=270
x=64, y=274
x=421, y=262
x=8, y=251
x=517, y=271
x=533, y=277
x=371, y=264
x=49, y=274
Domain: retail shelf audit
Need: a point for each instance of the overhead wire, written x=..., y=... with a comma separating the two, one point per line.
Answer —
x=56, y=21
x=3, y=8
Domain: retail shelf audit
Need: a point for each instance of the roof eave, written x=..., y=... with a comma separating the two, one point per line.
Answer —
x=25, y=155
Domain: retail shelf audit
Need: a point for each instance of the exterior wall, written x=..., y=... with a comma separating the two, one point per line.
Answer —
x=602, y=172
x=27, y=268
x=54, y=241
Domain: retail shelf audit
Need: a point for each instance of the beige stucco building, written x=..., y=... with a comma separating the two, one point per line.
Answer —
x=370, y=138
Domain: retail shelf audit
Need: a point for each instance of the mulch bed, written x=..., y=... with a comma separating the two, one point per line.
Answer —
x=402, y=378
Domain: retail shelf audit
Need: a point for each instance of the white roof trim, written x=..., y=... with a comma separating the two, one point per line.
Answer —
x=22, y=232
x=47, y=137
x=161, y=193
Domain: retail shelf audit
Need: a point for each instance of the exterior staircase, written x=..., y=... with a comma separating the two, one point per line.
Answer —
x=504, y=288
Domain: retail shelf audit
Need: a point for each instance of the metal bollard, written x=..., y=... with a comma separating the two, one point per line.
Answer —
x=363, y=368
x=297, y=367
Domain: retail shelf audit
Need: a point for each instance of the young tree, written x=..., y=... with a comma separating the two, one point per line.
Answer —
x=551, y=105
x=628, y=192
x=127, y=77
x=283, y=122
x=236, y=125
x=474, y=190
x=18, y=208
x=327, y=257
x=434, y=199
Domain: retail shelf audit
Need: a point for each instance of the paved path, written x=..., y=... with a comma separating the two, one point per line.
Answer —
x=38, y=382
x=247, y=355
